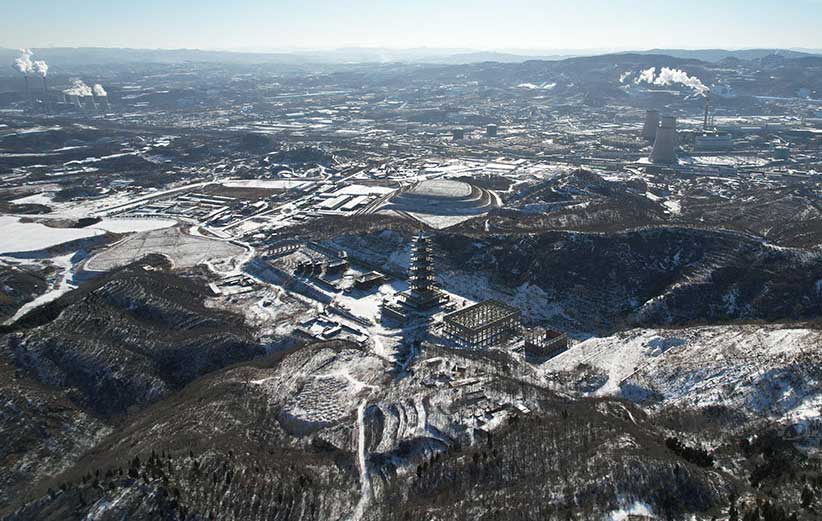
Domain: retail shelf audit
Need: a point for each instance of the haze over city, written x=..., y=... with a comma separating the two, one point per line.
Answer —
x=462, y=24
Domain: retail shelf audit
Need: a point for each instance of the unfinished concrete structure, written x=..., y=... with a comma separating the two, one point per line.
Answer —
x=544, y=343
x=664, y=150
x=483, y=324
x=651, y=124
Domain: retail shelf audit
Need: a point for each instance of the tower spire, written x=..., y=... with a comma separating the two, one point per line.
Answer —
x=421, y=271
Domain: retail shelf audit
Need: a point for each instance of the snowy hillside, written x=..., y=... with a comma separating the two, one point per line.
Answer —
x=765, y=371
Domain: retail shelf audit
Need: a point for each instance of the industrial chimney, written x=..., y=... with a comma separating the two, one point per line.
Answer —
x=651, y=124
x=664, y=150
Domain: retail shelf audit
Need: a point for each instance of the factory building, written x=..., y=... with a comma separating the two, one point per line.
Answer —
x=483, y=324
x=491, y=130
x=713, y=142
x=664, y=150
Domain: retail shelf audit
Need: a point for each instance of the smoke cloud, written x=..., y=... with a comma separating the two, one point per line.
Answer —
x=78, y=88
x=99, y=90
x=23, y=64
x=646, y=76
x=41, y=68
x=669, y=76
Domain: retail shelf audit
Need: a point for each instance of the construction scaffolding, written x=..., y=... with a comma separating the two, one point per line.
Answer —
x=544, y=343
x=483, y=324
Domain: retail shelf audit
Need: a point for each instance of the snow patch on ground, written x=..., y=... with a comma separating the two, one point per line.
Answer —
x=766, y=371
x=16, y=236
x=637, y=508
x=674, y=206
x=63, y=284
x=43, y=198
x=183, y=250
x=271, y=184
x=116, y=225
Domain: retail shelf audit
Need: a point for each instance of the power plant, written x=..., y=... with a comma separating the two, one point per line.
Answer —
x=651, y=124
x=711, y=139
x=664, y=150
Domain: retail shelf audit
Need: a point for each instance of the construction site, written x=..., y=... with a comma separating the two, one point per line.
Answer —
x=483, y=324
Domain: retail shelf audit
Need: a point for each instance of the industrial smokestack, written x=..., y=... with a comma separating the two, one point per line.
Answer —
x=24, y=66
x=101, y=94
x=664, y=150
x=650, y=126
x=42, y=69
x=79, y=90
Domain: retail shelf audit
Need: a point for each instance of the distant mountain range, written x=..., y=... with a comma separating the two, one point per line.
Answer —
x=715, y=55
x=68, y=57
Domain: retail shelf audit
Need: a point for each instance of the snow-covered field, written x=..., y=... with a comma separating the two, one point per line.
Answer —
x=127, y=225
x=182, y=249
x=271, y=184
x=43, y=198
x=16, y=236
x=768, y=371
x=356, y=189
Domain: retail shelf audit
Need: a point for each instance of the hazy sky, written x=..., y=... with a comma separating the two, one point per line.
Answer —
x=478, y=24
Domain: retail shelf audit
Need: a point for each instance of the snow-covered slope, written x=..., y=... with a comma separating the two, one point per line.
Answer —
x=769, y=371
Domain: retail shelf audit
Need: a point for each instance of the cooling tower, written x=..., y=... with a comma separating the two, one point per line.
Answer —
x=651, y=124
x=664, y=150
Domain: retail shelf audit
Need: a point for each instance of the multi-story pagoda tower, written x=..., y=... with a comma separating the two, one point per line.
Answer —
x=422, y=291
x=421, y=272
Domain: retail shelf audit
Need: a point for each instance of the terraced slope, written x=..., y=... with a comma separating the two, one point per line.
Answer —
x=128, y=340
x=72, y=367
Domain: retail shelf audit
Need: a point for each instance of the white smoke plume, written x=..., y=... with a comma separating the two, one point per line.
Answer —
x=646, y=76
x=41, y=68
x=669, y=76
x=99, y=90
x=78, y=88
x=23, y=64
